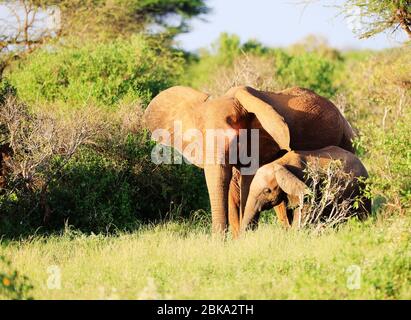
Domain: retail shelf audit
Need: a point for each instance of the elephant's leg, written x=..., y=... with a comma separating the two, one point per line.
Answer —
x=218, y=180
x=296, y=218
x=245, y=182
x=234, y=204
x=234, y=214
x=281, y=211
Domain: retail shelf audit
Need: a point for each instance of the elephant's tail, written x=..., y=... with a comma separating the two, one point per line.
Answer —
x=348, y=136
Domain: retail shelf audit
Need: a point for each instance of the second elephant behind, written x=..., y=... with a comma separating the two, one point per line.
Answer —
x=285, y=180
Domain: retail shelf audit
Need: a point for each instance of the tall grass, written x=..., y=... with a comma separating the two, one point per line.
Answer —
x=369, y=260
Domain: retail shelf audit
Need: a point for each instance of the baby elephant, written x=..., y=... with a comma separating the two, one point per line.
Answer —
x=283, y=180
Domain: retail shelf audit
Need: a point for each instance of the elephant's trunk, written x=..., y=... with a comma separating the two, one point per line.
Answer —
x=218, y=180
x=251, y=209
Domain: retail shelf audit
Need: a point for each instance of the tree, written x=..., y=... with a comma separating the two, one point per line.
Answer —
x=28, y=24
x=24, y=26
x=122, y=17
x=376, y=16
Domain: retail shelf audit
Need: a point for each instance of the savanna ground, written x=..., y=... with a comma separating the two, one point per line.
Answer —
x=85, y=214
x=181, y=261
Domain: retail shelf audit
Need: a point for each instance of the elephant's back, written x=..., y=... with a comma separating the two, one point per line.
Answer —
x=351, y=162
x=313, y=120
x=351, y=165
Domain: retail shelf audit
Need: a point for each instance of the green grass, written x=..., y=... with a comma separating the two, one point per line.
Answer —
x=181, y=261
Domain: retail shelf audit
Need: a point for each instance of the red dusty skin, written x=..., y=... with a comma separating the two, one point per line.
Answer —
x=281, y=211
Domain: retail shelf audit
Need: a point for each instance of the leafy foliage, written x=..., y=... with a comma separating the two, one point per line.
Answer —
x=101, y=74
x=314, y=69
x=376, y=16
x=26, y=28
x=12, y=284
x=377, y=95
x=108, y=183
x=111, y=18
x=119, y=189
x=307, y=70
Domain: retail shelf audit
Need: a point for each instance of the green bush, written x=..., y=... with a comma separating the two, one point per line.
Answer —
x=122, y=188
x=308, y=70
x=12, y=284
x=6, y=89
x=387, y=154
x=101, y=74
x=312, y=70
x=377, y=94
x=107, y=188
x=225, y=51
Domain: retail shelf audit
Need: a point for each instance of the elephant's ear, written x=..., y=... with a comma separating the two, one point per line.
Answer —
x=174, y=107
x=288, y=182
x=269, y=118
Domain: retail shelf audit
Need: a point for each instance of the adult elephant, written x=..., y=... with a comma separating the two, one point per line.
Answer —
x=295, y=118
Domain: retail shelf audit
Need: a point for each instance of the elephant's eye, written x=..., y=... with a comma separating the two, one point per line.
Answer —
x=267, y=190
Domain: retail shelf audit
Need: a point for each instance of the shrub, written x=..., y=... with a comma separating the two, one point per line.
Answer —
x=328, y=204
x=12, y=284
x=100, y=74
x=36, y=138
x=247, y=69
x=106, y=183
x=378, y=88
x=388, y=156
x=6, y=90
x=308, y=70
x=377, y=94
x=110, y=182
x=226, y=52
x=315, y=44
x=34, y=141
x=226, y=64
x=120, y=188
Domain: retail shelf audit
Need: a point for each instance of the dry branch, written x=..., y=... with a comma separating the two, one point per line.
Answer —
x=328, y=203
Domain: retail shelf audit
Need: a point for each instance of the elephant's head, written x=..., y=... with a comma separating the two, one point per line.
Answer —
x=195, y=112
x=272, y=184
